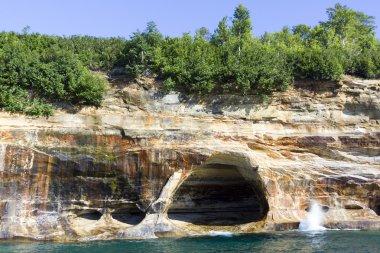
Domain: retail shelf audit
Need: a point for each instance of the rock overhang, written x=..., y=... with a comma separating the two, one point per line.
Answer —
x=301, y=146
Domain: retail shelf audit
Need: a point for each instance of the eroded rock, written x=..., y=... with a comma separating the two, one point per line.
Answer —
x=178, y=166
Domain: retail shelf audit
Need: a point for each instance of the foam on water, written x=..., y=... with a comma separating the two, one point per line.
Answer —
x=220, y=233
x=314, y=219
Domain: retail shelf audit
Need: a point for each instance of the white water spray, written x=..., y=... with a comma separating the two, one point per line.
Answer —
x=221, y=233
x=314, y=219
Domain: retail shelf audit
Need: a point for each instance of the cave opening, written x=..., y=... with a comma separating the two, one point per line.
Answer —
x=130, y=216
x=374, y=204
x=218, y=195
x=377, y=209
x=92, y=215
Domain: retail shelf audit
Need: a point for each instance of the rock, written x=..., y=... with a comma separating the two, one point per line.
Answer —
x=177, y=166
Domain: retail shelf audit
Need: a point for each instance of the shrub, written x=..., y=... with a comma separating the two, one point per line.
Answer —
x=169, y=84
x=31, y=78
x=317, y=63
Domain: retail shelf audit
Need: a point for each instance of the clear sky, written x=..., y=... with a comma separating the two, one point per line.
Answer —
x=122, y=17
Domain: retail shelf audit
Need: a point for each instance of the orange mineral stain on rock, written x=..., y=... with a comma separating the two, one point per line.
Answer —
x=172, y=168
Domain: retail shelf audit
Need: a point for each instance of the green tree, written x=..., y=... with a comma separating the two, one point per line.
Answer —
x=203, y=33
x=350, y=25
x=140, y=51
x=187, y=64
x=241, y=25
x=222, y=34
x=354, y=37
x=317, y=63
x=301, y=30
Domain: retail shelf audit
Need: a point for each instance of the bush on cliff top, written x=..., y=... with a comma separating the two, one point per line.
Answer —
x=32, y=79
x=37, y=70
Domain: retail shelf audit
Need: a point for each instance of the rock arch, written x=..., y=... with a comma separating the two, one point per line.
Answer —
x=226, y=191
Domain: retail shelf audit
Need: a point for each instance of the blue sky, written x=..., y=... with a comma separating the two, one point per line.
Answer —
x=122, y=17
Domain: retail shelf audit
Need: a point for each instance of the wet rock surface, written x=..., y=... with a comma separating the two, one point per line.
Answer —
x=148, y=164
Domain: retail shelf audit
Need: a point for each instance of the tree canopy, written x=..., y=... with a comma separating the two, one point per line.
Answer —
x=37, y=72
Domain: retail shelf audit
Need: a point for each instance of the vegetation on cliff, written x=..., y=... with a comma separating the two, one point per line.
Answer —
x=37, y=71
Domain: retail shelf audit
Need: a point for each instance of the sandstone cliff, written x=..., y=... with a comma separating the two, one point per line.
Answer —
x=148, y=164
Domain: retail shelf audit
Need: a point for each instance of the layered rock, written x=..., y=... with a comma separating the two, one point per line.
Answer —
x=148, y=164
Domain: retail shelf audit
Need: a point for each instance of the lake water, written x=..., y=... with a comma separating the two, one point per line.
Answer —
x=326, y=241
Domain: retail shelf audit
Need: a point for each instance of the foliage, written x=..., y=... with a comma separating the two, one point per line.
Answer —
x=349, y=25
x=38, y=71
x=140, y=51
x=317, y=63
x=188, y=62
x=34, y=74
x=234, y=61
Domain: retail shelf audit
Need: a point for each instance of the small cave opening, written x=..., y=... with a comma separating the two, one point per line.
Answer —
x=375, y=205
x=218, y=195
x=377, y=209
x=128, y=215
x=92, y=215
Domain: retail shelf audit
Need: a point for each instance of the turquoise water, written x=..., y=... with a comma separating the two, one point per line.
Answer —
x=328, y=241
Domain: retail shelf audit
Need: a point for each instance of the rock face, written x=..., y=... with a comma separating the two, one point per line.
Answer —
x=149, y=165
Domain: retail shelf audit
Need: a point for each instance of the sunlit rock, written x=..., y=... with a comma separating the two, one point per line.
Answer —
x=145, y=165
